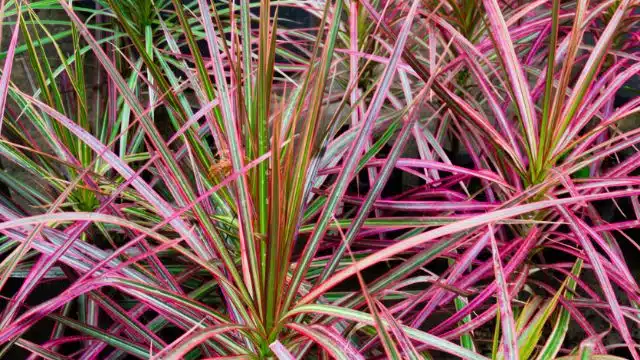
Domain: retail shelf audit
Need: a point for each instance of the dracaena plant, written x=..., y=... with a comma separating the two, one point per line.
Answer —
x=213, y=182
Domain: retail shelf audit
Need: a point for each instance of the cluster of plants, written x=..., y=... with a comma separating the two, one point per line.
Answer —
x=401, y=179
